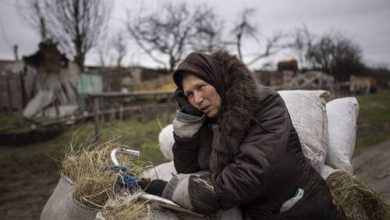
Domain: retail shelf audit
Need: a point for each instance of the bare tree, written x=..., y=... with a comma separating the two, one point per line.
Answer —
x=167, y=33
x=272, y=46
x=301, y=43
x=336, y=55
x=209, y=30
x=34, y=15
x=245, y=29
x=120, y=48
x=74, y=24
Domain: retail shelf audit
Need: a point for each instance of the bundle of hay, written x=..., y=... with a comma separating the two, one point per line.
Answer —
x=87, y=167
x=358, y=200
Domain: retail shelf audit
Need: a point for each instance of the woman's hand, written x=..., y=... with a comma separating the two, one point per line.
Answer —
x=154, y=187
x=184, y=105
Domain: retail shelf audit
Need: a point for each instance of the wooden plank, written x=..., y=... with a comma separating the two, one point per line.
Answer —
x=129, y=94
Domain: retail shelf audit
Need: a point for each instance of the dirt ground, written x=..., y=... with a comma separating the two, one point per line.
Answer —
x=25, y=185
x=373, y=167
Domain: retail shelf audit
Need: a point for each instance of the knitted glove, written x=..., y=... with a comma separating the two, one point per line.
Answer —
x=193, y=192
x=184, y=105
x=154, y=187
x=186, y=126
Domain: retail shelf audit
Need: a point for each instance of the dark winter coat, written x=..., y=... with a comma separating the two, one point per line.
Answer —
x=253, y=152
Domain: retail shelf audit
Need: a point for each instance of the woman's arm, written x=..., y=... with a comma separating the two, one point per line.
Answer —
x=187, y=142
x=185, y=154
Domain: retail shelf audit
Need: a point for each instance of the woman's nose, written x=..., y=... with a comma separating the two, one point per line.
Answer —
x=198, y=98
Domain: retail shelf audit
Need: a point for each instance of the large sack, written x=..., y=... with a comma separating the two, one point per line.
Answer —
x=342, y=115
x=166, y=141
x=163, y=171
x=62, y=206
x=327, y=171
x=308, y=115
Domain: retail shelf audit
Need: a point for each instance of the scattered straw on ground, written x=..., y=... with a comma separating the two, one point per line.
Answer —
x=358, y=200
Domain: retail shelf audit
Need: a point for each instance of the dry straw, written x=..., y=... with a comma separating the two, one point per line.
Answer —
x=87, y=167
x=358, y=200
x=125, y=208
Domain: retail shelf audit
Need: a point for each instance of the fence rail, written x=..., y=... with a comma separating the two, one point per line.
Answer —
x=98, y=97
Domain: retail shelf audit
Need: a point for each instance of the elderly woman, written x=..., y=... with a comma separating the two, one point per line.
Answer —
x=241, y=133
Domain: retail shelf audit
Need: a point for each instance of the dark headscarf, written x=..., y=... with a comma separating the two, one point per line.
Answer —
x=203, y=66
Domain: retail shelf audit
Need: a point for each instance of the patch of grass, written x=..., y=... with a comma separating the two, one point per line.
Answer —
x=133, y=133
x=11, y=120
x=372, y=139
x=373, y=119
x=374, y=109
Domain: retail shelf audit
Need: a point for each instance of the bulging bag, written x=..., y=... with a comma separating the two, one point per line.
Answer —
x=308, y=115
x=62, y=206
x=166, y=141
x=342, y=116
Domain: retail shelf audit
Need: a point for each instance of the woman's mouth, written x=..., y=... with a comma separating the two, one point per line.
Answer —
x=204, y=108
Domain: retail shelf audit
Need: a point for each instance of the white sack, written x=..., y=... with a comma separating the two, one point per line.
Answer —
x=326, y=171
x=166, y=141
x=308, y=115
x=62, y=206
x=163, y=171
x=342, y=116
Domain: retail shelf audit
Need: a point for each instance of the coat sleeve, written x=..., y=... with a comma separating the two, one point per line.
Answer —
x=264, y=145
x=185, y=154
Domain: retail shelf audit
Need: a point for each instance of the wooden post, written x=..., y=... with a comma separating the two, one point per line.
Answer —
x=96, y=117
x=121, y=112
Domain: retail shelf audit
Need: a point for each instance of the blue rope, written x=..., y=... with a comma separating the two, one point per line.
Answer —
x=128, y=179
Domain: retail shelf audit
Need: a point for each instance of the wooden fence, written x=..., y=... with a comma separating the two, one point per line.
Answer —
x=11, y=91
x=100, y=98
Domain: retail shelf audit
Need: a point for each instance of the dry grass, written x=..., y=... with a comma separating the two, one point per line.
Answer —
x=81, y=161
x=358, y=200
x=87, y=167
x=124, y=208
x=93, y=190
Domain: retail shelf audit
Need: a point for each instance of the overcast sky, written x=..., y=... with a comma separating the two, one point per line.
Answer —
x=366, y=22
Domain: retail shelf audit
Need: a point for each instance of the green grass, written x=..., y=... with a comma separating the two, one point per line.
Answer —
x=135, y=134
x=11, y=120
x=373, y=119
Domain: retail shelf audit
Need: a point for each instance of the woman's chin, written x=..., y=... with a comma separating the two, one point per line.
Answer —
x=211, y=114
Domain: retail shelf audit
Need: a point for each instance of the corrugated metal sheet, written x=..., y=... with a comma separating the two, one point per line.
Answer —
x=88, y=83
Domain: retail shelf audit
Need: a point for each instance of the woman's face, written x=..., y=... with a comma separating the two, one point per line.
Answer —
x=201, y=95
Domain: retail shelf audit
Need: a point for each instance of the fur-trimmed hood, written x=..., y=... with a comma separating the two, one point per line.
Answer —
x=241, y=99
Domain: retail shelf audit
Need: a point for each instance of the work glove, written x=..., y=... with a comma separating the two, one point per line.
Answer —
x=184, y=105
x=193, y=192
x=154, y=187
